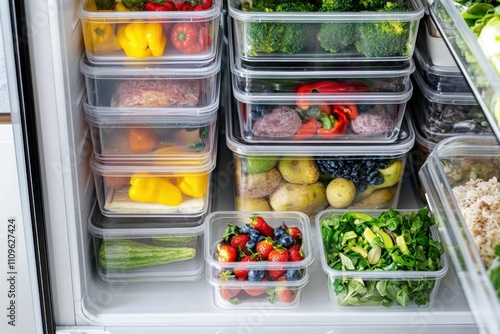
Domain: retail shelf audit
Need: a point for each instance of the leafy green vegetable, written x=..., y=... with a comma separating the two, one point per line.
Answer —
x=350, y=239
x=494, y=271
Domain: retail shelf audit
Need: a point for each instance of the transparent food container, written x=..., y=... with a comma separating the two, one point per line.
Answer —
x=181, y=89
x=312, y=35
x=139, y=252
x=163, y=188
x=476, y=66
x=306, y=116
x=439, y=74
x=140, y=36
x=261, y=283
x=296, y=177
x=448, y=113
x=468, y=166
x=119, y=135
x=376, y=289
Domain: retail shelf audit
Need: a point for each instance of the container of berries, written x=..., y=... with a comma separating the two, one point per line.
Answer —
x=257, y=259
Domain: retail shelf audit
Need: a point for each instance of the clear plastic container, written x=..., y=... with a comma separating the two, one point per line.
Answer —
x=427, y=280
x=131, y=250
x=275, y=177
x=275, y=290
x=166, y=188
x=118, y=135
x=299, y=40
x=476, y=66
x=179, y=89
x=453, y=163
x=440, y=75
x=119, y=36
x=448, y=113
x=284, y=117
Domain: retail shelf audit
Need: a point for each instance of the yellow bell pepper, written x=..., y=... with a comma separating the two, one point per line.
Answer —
x=141, y=40
x=194, y=185
x=120, y=7
x=151, y=189
x=100, y=37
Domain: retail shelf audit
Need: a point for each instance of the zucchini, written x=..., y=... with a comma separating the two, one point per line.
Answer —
x=175, y=241
x=129, y=254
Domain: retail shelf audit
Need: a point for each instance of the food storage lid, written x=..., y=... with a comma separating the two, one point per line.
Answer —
x=434, y=96
x=333, y=98
x=238, y=145
x=395, y=274
x=306, y=70
x=182, y=70
x=477, y=154
x=112, y=117
x=141, y=227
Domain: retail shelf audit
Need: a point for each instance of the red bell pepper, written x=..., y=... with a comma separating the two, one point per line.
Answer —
x=351, y=110
x=328, y=87
x=308, y=129
x=184, y=35
x=333, y=125
x=154, y=7
x=202, y=41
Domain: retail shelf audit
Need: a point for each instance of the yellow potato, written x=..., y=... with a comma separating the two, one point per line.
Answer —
x=306, y=198
x=378, y=199
x=340, y=192
x=251, y=204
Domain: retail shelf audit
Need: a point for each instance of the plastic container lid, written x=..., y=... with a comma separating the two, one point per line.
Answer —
x=140, y=227
x=434, y=96
x=238, y=145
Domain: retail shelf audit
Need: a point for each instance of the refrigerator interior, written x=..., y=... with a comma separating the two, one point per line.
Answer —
x=84, y=303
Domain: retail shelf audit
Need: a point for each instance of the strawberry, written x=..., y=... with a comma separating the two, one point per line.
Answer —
x=262, y=226
x=226, y=253
x=239, y=241
x=241, y=271
x=296, y=254
x=255, y=291
x=285, y=295
x=264, y=247
x=227, y=292
x=296, y=233
x=278, y=254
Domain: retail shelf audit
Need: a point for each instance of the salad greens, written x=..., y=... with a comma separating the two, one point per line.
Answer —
x=494, y=271
x=391, y=241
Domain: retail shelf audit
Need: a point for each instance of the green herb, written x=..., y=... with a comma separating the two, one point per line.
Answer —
x=391, y=241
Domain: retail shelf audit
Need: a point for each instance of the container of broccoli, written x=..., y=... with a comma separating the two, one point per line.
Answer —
x=316, y=30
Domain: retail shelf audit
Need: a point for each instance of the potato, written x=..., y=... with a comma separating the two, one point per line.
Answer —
x=378, y=199
x=255, y=185
x=299, y=171
x=251, y=204
x=340, y=192
x=307, y=198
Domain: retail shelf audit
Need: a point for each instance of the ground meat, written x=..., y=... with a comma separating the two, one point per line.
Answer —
x=479, y=203
x=156, y=93
x=378, y=120
x=281, y=121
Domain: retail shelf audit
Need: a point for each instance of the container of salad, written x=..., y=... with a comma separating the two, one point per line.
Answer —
x=460, y=179
x=375, y=259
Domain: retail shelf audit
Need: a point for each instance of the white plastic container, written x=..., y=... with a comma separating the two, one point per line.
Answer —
x=247, y=293
x=182, y=89
x=427, y=279
x=125, y=249
x=262, y=184
x=108, y=26
x=452, y=163
x=136, y=135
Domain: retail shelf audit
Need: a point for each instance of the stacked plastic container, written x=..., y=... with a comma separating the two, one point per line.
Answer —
x=317, y=118
x=152, y=75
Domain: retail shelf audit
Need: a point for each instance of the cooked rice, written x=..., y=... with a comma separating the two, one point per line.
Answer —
x=479, y=202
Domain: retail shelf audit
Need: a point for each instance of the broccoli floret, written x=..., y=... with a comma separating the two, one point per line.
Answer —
x=286, y=37
x=372, y=5
x=339, y=6
x=334, y=37
x=384, y=38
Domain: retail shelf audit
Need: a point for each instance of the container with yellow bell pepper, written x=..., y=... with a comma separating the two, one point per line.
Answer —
x=142, y=40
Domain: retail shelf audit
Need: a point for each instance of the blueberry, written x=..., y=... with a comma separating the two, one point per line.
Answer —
x=250, y=244
x=255, y=275
x=246, y=229
x=254, y=234
x=286, y=240
x=293, y=274
x=278, y=232
x=260, y=238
